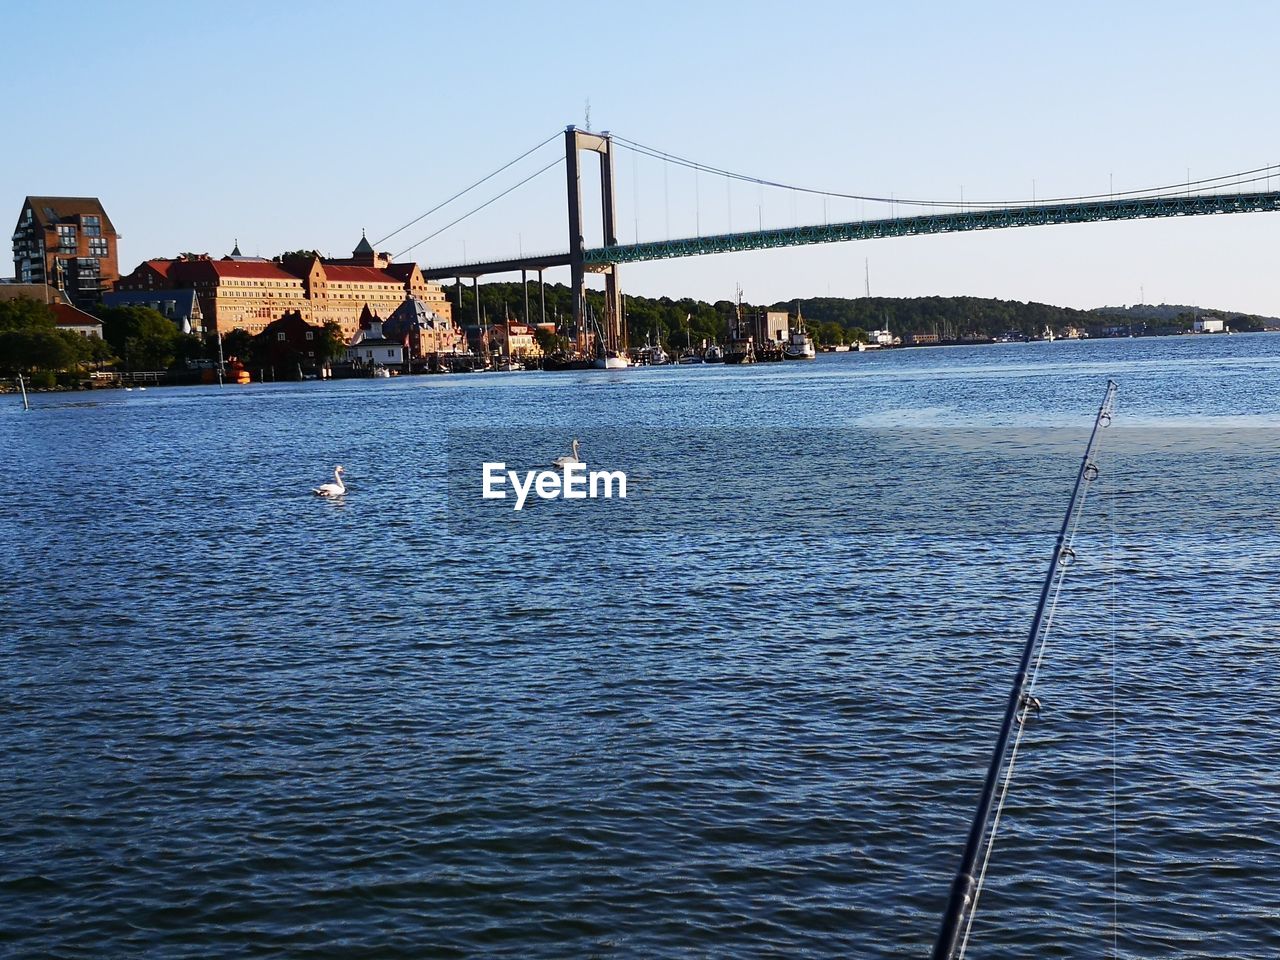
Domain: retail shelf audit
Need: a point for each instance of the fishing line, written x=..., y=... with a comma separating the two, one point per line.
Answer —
x=1115, y=756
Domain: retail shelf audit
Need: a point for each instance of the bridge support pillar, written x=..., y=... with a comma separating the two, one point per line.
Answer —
x=482, y=334
x=576, y=140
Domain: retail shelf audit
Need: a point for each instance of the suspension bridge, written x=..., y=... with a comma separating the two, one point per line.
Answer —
x=1216, y=195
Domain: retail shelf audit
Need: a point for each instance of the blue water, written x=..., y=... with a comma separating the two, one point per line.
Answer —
x=237, y=720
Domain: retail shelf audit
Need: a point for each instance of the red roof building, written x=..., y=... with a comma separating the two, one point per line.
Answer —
x=75, y=320
x=248, y=294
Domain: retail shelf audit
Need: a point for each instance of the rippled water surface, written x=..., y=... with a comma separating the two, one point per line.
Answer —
x=745, y=712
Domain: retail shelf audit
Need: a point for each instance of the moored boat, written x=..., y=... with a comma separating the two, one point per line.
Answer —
x=612, y=360
x=799, y=346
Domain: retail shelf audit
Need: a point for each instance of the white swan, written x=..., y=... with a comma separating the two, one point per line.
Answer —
x=562, y=462
x=335, y=489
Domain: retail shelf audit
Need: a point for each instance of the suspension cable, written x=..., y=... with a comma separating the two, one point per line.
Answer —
x=462, y=193
x=663, y=155
x=475, y=210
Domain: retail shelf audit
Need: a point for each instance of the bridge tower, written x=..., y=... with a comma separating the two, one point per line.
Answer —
x=576, y=140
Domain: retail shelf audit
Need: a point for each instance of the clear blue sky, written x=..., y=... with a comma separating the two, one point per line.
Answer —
x=296, y=124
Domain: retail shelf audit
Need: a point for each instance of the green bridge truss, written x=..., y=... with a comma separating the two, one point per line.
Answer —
x=1192, y=205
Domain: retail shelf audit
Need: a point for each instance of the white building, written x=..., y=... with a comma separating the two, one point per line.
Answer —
x=1209, y=325
x=74, y=320
x=369, y=348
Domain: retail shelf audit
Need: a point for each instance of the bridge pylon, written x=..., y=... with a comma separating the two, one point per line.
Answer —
x=611, y=323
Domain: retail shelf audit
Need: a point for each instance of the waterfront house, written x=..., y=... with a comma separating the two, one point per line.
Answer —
x=74, y=320
x=424, y=332
x=370, y=347
x=514, y=339
x=289, y=345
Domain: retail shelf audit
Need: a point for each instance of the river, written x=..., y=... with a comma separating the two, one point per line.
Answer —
x=743, y=712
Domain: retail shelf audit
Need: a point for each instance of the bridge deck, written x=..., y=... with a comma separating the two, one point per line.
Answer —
x=955, y=222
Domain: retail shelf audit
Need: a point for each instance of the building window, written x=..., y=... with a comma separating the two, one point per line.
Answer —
x=98, y=246
x=311, y=335
x=67, y=236
x=92, y=226
x=280, y=336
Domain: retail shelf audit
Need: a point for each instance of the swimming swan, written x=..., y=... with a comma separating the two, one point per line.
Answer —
x=562, y=462
x=335, y=489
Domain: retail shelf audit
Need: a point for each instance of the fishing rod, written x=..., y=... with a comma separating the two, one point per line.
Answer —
x=962, y=900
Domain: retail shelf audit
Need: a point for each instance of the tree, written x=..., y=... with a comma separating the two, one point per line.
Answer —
x=331, y=344
x=828, y=332
x=548, y=341
x=187, y=347
x=24, y=313
x=30, y=340
x=237, y=343
x=143, y=337
x=42, y=349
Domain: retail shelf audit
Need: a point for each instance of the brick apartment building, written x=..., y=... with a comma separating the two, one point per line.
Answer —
x=249, y=293
x=68, y=243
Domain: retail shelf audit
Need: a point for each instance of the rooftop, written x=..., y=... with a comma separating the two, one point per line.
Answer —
x=52, y=210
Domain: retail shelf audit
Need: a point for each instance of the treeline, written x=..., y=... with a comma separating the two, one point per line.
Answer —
x=671, y=322
x=1176, y=317
x=145, y=339
x=135, y=338
x=32, y=344
x=828, y=319
x=950, y=318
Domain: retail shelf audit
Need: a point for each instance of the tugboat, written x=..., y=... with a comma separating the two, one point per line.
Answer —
x=799, y=345
x=652, y=354
x=714, y=354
